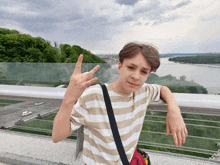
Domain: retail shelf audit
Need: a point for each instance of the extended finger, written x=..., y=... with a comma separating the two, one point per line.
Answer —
x=186, y=132
x=180, y=139
x=183, y=136
x=78, y=64
x=175, y=139
x=90, y=82
x=92, y=72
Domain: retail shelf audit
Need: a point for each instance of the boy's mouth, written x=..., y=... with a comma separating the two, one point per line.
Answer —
x=132, y=84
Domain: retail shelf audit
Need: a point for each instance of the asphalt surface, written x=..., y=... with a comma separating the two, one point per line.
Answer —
x=12, y=113
x=26, y=149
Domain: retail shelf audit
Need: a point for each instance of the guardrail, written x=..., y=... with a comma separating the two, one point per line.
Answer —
x=203, y=127
x=186, y=100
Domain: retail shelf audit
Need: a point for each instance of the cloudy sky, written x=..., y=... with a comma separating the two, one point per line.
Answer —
x=105, y=26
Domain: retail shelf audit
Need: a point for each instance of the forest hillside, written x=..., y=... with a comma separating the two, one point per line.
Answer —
x=16, y=47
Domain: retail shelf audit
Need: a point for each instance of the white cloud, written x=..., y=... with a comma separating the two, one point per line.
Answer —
x=188, y=30
x=105, y=26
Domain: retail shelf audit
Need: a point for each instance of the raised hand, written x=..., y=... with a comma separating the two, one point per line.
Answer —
x=77, y=85
x=80, y=81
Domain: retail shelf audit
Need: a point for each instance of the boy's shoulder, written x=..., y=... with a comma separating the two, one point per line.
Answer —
x=145, y=85
x=92, y=87
x=149, y=88
x=150, y=85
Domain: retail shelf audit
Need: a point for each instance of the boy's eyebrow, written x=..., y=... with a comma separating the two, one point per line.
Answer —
x=143, y=67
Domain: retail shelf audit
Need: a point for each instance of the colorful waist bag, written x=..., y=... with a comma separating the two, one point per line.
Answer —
x=139, y=157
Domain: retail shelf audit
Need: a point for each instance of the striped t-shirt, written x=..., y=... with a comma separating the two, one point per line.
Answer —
x=129, y=109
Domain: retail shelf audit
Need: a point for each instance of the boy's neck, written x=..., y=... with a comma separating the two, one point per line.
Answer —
x=116, y=85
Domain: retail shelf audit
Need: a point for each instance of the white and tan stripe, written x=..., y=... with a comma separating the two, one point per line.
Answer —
x=90, y=110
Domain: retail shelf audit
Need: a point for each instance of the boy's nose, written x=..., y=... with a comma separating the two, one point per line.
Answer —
x=136, y=76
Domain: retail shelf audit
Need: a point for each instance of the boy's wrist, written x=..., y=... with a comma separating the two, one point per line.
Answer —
x=173, y=107
x=169, y=98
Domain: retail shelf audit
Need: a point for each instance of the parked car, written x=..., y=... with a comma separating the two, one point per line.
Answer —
x=25, y=113
x=39, y=103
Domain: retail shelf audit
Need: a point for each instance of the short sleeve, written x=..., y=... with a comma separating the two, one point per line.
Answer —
x=153, y=91
x=78, y=115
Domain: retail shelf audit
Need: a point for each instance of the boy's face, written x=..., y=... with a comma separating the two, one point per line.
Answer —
x=133, y=72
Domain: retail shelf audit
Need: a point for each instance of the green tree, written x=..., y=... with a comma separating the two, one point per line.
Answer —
x=24, y=48
x=50, y=54
x=67, y=49
x=178, y=89
x=168, y=77
x=183, y=78
x=192, y=89
x=78, y=49
x=15, y=47
x=7, y=31
x=175, y=85
x=34, y=55
x=152, y=78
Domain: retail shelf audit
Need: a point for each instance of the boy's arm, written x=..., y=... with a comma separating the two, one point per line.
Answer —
x=77, y=85
x=174, y=120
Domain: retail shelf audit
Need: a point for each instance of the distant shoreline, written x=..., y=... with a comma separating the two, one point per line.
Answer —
x=206, y=65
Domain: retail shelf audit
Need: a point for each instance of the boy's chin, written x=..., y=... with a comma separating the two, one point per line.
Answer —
x=134, y=89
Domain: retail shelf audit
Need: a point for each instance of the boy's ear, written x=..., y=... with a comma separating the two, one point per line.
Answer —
x=119, y=66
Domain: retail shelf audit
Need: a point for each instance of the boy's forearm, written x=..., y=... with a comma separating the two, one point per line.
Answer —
x=61, y=124
x=168, y=97
x=174, y=119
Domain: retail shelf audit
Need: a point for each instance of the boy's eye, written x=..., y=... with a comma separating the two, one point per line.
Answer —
x=130, y=67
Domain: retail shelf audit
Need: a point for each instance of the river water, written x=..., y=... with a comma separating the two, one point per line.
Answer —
x=205, y=75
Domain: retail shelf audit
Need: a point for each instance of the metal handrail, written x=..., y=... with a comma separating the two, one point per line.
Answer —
x=185, y=119
x=197, y=150
x=37, y=129
x=188, y=100
x=187, y=136
x=186, y=124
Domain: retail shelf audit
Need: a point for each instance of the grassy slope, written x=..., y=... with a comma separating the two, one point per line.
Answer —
x=4, y=103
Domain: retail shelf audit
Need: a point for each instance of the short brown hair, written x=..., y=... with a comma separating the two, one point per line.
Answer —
x=150, y=53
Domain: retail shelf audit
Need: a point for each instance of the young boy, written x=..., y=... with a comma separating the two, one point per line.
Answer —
x=129, y=95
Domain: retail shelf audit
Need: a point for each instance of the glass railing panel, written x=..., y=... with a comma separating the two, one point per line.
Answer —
x=47, y=74
x=179, y=77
